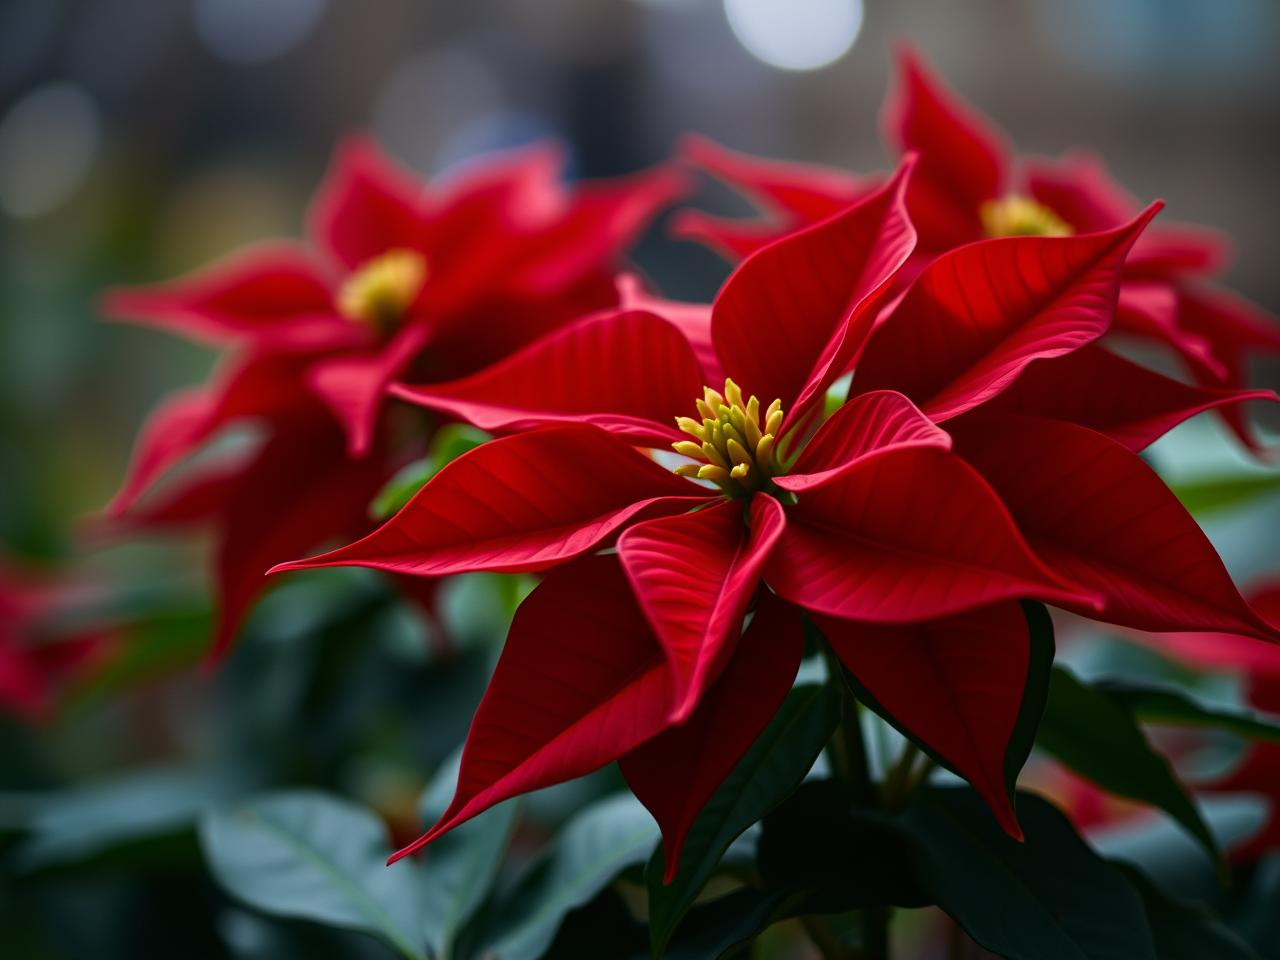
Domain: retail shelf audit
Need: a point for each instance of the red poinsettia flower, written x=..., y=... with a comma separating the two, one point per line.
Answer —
x=868, y=522
x=42, y=647
x=398, y=277
x=969, y=186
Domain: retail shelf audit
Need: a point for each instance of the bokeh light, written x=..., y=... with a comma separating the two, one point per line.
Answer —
x=795, y=34
x=251, y=31
x=48, y=141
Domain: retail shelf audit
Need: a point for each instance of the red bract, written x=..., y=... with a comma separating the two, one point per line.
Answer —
x=969, y=185
x=398, y=276
x=869, y=522
x=41, y=645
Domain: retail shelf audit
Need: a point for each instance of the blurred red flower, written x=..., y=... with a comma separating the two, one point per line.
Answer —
x=969, y=185
x=398, y=277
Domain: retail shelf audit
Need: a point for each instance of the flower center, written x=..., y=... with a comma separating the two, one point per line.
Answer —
x=383, y=288
x=1015, y=216
x=735, y=446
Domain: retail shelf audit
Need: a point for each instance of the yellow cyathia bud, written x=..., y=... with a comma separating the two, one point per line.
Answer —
x=1017, y=216
x=382, y=289
x=736, y=449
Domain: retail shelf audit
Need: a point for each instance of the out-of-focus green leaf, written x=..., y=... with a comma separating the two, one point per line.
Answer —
x=78, y=824
x=159, y=645
x=774, y=766
x=1047, y=898
x=1183, y=931
x=463, y=864
x=309, y=855
x=1161, y=705
x=1099, y=738
x=451, y=441
x=591, y=850
x=1225, y=492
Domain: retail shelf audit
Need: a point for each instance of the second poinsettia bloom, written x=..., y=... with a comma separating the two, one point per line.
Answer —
x=398, y=278
x=970, y=185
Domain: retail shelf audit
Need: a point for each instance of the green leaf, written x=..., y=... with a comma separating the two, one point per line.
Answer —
x=1162, y=705
x=75, y=825
x=462, y=865
x=591, y=850
x=1048, y=898
x=1099, y=738
x=1225, y=492
x=774, y=766
x=1184, y=931
x=715, y=928
x=451, y=441
x=309, y=855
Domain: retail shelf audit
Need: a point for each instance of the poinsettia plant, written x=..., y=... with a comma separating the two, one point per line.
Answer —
x=788, y=595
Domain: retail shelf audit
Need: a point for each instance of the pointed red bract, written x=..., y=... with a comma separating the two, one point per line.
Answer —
x=298, y=491
x=865, y=425
x=963, y=159
x=904, y=536
x=1227, y=651
x=694, y=575
x=255, y=387
x=1151, y=310
x=1080, y=191
x=790, y=319
x=978, y=315
x=955, y=685
x=1094, y=511
x=1234, y=328
x=677, y=772
x=691, y=319
x=1097, y=389
x=366, y=206
x=273, y=296
x=525, y=502
x=587, y=227
x=352, y=386
x=580, y=683
x=806, y=192
x=628, y=371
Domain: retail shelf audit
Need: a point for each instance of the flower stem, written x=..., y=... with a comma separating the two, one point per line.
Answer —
x=849, y=763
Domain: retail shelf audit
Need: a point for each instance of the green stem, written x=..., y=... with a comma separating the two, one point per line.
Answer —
x=850, y=763
x=896, y=784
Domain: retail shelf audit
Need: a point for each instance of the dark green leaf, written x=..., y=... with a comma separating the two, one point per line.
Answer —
x=1163, y=705
x=589, y=853
x=451, y=441
x=75, y=825
x=713, y=929
x=776, y=763
x=820, y=844
x=1048, y=898
x=463, y=864
x=1184, y=931
x=313, y=856
x=1098, y=737
x=1221, y=493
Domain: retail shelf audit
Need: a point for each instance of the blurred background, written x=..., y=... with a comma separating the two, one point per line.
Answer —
x=142, y=138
